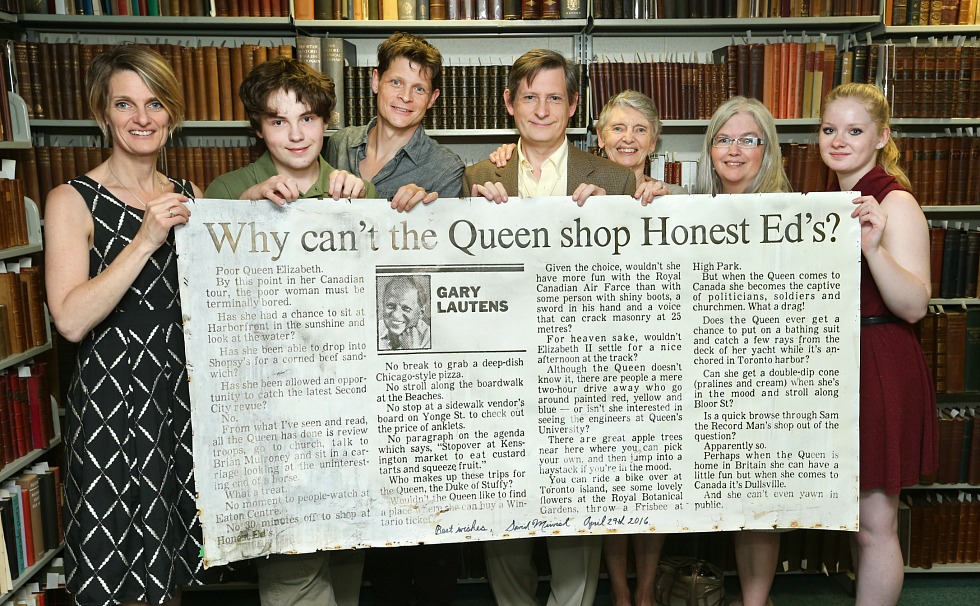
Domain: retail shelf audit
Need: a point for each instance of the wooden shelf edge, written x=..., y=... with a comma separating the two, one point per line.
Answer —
x=24, y=355
x=30, y=571
x=944, y=486
x=19, y=464
x=945, y=568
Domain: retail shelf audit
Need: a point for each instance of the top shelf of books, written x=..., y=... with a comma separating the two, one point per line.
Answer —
x=685, y=27
x=113, y=23
x=373, y=28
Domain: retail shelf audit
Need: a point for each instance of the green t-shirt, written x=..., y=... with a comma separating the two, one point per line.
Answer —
x=230, y=186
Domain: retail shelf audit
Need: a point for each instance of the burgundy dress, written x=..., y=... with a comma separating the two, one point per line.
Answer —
x=899, y=438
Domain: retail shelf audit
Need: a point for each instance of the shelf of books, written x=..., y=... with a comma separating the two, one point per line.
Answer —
x=939, y=519
x=19, y=586
x=948, y=13
x=938, y=529
x=681, y=10
x=375, y=28
x=686, y=27
x=112, y=24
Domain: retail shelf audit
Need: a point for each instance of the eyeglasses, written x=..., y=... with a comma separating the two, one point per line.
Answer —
x=742, y=142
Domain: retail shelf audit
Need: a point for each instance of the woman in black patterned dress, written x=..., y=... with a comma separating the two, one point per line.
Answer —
x=131, y=528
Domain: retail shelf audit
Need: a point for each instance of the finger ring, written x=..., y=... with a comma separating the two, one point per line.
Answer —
x=171, y=213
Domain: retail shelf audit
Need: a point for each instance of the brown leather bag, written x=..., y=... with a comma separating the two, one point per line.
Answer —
x=686, y=581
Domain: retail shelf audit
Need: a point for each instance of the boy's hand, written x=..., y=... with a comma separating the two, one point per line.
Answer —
x=277, y=189
x=345, y=185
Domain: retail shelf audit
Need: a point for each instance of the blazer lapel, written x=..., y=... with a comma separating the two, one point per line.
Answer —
x=580, y=168
x=508, y=175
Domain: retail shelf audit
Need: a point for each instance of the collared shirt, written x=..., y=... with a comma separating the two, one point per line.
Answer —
x=554, y=174
x=230, y=186
x=422, y=161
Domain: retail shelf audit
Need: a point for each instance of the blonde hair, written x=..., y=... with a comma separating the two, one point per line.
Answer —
x=771, y=176
x=147, y=64
x=874, y=102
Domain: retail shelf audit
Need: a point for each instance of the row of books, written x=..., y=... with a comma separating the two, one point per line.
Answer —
x=950, y=341
x=804, y=168
x=27, y=421
x=682, y=90
x=204, y=164
x=327, y=9
x=490, y=9
x=939, y=527
x=932, y=12
x=737, y=9
x=954, y=250
x=13, y=215
x=46, y=590
x=22, y=319
x=959, y=447
x=6, y=85
x=51, y=77
x=471, y=96
x=938, y=79
x=440, y=10
x=39, y=175
x=943, y=169
x=790, y=77
x=30, y=519
x=164, y=8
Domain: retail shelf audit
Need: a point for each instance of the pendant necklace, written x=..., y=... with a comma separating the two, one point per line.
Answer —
x=131, y=192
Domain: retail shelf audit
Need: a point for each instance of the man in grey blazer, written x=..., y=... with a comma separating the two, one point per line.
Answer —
x=542, y=94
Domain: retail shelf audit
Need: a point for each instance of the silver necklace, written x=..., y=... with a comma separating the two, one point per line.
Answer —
x=131, y=192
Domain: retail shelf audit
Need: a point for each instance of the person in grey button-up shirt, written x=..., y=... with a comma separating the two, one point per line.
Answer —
x=393, y=151
x=407, y=167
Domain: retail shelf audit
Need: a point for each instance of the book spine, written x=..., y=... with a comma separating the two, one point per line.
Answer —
x=332, y=64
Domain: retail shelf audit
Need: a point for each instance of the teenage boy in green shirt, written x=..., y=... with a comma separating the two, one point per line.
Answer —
x=287, y=103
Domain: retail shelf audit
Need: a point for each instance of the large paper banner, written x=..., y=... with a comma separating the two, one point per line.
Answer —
x=470, y=371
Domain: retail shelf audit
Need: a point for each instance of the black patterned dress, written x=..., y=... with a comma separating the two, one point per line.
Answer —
x=131, y=526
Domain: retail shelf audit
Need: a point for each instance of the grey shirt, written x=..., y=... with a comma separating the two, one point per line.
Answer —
x=422, y=161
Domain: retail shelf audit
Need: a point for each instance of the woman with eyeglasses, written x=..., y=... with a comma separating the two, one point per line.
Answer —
x=741, y=155
x=898, y=401
x=742, y=151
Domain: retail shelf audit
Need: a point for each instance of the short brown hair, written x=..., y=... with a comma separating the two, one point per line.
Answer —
x=537, y=60
x=417, y=50
x=147, y=64
x=312, y=88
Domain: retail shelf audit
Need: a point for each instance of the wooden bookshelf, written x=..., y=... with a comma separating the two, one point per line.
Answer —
x=585, y=40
